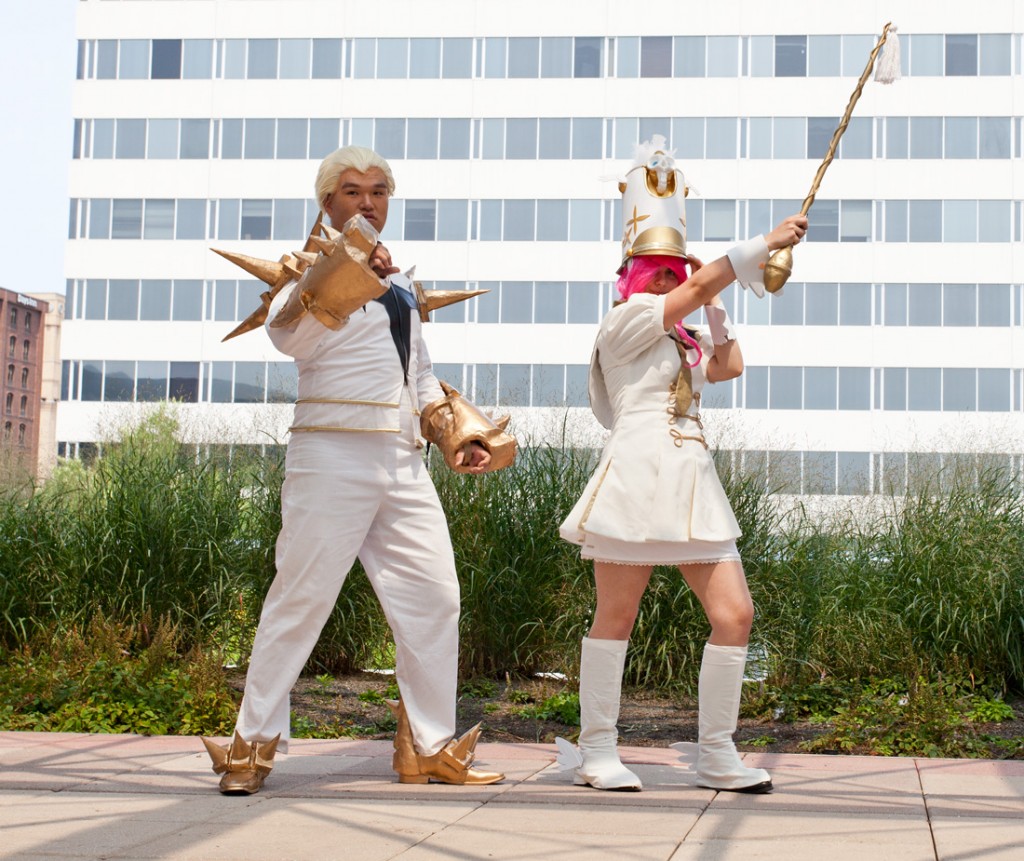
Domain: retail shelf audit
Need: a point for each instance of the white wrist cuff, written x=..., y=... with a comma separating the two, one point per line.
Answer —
x=721, y=326
x=748, y=259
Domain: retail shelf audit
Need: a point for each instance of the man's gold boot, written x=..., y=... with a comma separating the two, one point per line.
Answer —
x=451, y=764
x=244, y=766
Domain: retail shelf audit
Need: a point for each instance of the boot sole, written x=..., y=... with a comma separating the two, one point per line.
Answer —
x=762, y=788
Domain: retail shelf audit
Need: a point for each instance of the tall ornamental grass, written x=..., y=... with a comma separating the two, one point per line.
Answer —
x=933, y=579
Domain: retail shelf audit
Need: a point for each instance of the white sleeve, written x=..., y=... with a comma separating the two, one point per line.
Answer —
x=301, y=339
x=748, y=259
x=632, y=327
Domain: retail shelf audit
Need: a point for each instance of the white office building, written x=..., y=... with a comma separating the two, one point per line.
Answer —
x=896, y=347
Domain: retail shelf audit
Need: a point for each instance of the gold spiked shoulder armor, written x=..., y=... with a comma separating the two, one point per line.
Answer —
x=453, y=422
x=335, y=279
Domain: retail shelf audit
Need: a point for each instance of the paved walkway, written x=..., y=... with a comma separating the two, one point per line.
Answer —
x=71, y=796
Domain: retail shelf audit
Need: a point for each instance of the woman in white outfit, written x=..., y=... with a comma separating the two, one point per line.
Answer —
x=655, y=498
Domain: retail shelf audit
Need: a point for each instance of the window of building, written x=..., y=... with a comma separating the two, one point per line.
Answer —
x=820, y=388
x=24, y=378
x=925, y=137
x=14, y=316
x=123, y=300
x=131, y=139
x=819, y=135
x=961, y=54
x=960, y=137
x=283, y=382
x=790, y=56
x=166, y=59
x=723, y=56
x=133, y=59
x=420, y=219
x=821, y=304
x=587, y=57
x=854, y=304
x=788, y=138
x=187, y=301
x=690, y=53
x=256, y=219
x=924, y=389
x=785, y=388
x=854, y=388
x=627, y=56
x=994, y=389
x=516, y=300
x=21, y=434
x=197, y=59
x=184, y=382
x=7, y=430
x=959, y=389
x=262, y=59
x=926, y=54
x=250, y=382
x=656, y=57
x=556, y=57
x=25, y=349
x=549, y=302
x=452, y=220
x=9, y=407
x=995, y=53
x=119, y=381
x=28, y=321
x=12, y=346
x=326, y=59
x=819, y=472
x=151, y=384
x=823, y=56
x=523, y=56
x=422, y=138
x=155, y=300
x=925, y=220
x=294, y=59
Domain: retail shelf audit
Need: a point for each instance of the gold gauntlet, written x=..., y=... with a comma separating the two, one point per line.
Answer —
x=339, y=282
x=452, y=422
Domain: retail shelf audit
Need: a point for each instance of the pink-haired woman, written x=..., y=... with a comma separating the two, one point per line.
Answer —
x=655, y=499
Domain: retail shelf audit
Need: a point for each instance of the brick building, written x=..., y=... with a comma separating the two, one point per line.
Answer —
x=21, y=383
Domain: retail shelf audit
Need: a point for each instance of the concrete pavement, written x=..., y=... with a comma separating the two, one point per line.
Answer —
x=79, y=796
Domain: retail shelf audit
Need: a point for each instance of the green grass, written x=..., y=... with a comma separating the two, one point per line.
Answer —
x=931, y=586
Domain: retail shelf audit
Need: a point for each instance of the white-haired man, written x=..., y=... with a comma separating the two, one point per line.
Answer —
x=356, y=485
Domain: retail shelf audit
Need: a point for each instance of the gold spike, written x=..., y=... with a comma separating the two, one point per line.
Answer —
x=218, y=754
x=325, y=245
x=265, y=751
x=240, y=748
x=502, y=423
x=307, y=257
x=463, y=748
x=315, y=229
x=256, y=319
x=292, y=270
x=330, y=232
x=267, y=271
x=431, y=300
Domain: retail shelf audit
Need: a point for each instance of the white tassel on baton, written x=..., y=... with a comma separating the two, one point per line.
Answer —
x=888, y=68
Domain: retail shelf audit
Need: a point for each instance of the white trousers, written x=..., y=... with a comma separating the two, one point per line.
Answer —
x=367, y=495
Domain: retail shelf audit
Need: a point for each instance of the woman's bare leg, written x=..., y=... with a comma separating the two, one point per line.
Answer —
x=619, y=590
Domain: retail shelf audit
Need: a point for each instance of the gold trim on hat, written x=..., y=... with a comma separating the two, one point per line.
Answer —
x=659, y=240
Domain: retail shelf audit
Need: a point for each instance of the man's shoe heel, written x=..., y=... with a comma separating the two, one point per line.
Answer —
x=413, y=778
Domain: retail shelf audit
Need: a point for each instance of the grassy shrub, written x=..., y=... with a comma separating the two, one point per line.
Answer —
x=151, y=530
x=524, y=590
x=114, y=678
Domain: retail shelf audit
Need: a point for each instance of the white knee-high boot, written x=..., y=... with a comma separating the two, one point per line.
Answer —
x=601, y=665
x=718, y=691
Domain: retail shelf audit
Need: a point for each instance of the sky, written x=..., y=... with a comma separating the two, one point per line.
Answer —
x=37, y=70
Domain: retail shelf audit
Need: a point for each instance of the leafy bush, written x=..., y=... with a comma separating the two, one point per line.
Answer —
x=114, y=678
